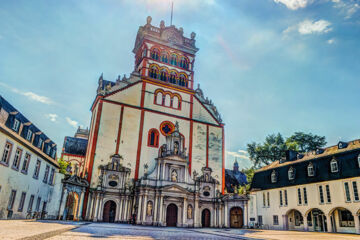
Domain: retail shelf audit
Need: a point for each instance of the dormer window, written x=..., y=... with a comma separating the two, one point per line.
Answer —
x=16, y=125
x=291, y=173
x=310, y=170
x=273, y=177
x=334, y=166
x=48, y=150
x=29, y=135
x=358, y=160
x=40, y=142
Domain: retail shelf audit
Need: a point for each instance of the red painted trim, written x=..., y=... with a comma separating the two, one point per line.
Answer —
x=161, y=113
x=191, y=132
x=121, y=89
x=72, y=155
x=170, y=124
x=95, y=102
x=223, y=159
x=207, y=110
x=138, y=154
x=207, y=146
x=167, y=85
x=156, y=138
x=119, y=130
x=158, y=70
x=92, y=154
x=168, y=48
x=172, y=95
x=182, y=70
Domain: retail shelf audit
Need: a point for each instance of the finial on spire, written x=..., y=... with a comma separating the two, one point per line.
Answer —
x=148, y=20
x=172, y=10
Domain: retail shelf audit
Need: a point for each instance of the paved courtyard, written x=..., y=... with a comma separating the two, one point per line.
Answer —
x=25, y=229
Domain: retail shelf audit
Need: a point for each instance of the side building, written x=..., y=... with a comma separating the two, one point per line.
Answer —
x=29, y=181
x=315, y=191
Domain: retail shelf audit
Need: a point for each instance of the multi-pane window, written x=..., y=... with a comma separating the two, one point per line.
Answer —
x=268, y=199
x=52, y=174
x=276, y=219
x=48, y=150
x=347, y=192
x=285, y=197
x=305, y=196
x=31, y=202
x=273, y=176
x=22, y=201
x=38, y=204
x=334, y=166
x=53, y=153
x=356, y=193
x=310, y=169
x=281, y=199
x=40, y=142
x=6, y=153
x=299, y=196
x=25, y=165
x=11, y=199
x=328, y=196
x=37, y=169
x=321, y=194
x=264, y=200
x=17, y=159
x=46, y=175
x=16, y=125
x=291, y=173
x=29, y=135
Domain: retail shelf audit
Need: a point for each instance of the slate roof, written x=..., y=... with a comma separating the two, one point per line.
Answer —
x=76, y=146
x=234, y=178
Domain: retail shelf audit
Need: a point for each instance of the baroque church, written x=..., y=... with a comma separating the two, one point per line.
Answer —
x=155, y=149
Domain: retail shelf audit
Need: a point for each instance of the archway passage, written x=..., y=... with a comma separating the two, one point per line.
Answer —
x=317, y=220
x=236, y=217
x=295, y=220
x=71, y=206
x=205, y=218
x=342, y=220
x=171, y=215
x=109, y=211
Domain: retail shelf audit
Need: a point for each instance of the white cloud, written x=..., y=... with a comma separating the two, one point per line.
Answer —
x=331, y=41
x=347, y=8
x=239, y=154
x=30, y=95
x=310, y=27
x=72, y=122
x=294, y=4
x=51, y=116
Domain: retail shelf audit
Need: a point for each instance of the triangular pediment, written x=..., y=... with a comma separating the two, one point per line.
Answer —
x=174, y=188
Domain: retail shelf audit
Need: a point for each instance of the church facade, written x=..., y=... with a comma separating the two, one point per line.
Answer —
x=155, y=151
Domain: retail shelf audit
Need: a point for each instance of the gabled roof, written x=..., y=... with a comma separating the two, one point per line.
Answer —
x=75, y=146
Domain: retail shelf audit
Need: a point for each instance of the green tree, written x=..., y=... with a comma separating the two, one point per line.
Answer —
x=249, y=172
x=63, y=166
x=274, y=147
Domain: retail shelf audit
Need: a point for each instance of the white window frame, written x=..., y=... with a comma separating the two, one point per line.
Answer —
x=347, y=193
x=355, y=191
x=291, y=173
x=273, y=177
x=310, y=170
x=328, y=193
x=334, y=166
x=358, y=159
x=40, y=142
x=29, y=135
x=16, y=125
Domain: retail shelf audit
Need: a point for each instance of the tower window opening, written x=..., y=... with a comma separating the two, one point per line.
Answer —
x=155, y=54
x=163, y=76
x=172, y=78
x=153, y=138
x=153, y=73
x=164, y=58
x=184, y=63
x=173, y=60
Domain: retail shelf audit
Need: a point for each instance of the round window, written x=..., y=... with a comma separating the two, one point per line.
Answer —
x=113, y=184
x=166, y=128
x=206, y=194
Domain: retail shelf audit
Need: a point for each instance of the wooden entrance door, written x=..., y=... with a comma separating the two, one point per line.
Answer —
x=171, y=215
x=205, y=218
x=236, y=217
x=109, y=211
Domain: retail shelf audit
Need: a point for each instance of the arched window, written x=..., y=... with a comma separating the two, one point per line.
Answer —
x=163, y=75
x=273, y=177
x=176, y=102
x=310, y=169
x=167, y=102
x=144, y=52
x=155, y=54
x=172, y=78
x=182, y=80
x=159, y=98
x=153, y=138
x=334, y=166
x=164, y=58
x=358, y=160
x=153, y=72
x=291, y=173
x=173, y=60
x=184, y=63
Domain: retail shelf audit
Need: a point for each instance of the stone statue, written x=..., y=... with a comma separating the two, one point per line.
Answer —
x=149, y=209
x=189, y=212
x=176, y=148
x=174, y=176
x=206, y=177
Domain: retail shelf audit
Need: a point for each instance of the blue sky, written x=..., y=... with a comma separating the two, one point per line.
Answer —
x=269, y=65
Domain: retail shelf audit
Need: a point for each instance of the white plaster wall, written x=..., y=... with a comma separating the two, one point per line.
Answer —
x=201, y=114
x=131, y=95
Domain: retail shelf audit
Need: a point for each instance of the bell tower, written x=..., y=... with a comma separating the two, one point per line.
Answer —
x=163, y=54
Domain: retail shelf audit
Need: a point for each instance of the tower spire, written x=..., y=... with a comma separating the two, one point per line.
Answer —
x=172, y=10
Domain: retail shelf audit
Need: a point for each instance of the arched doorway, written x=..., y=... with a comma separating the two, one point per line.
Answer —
x=236, y=217
x=316, y=220
x=109, y=211
x=171, y=215
x=342, y=220
x=71, y=206
x=205, y=218
x=295, y=220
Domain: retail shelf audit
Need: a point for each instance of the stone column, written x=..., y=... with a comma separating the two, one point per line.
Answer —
x=100, y=208
x=184, y=212
x=357, y=223
x=196, y=213
x=163, y=172
x=120, y=208
x=161, y=210
x=89, y=206
x=226, y=215
x=97, y=199
x=126, y=210
x=306, y=227
x=62, y=202
x=246, y=216
x=81, y=203
x=155, y=210
x=144, y=209
x=138, y=217
x=328, y=223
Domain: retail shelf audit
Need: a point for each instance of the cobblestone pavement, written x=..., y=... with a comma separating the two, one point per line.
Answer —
x=55, y=230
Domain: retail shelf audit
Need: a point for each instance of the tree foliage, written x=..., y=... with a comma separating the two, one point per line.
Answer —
x=63, y=166
x=274, y=147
